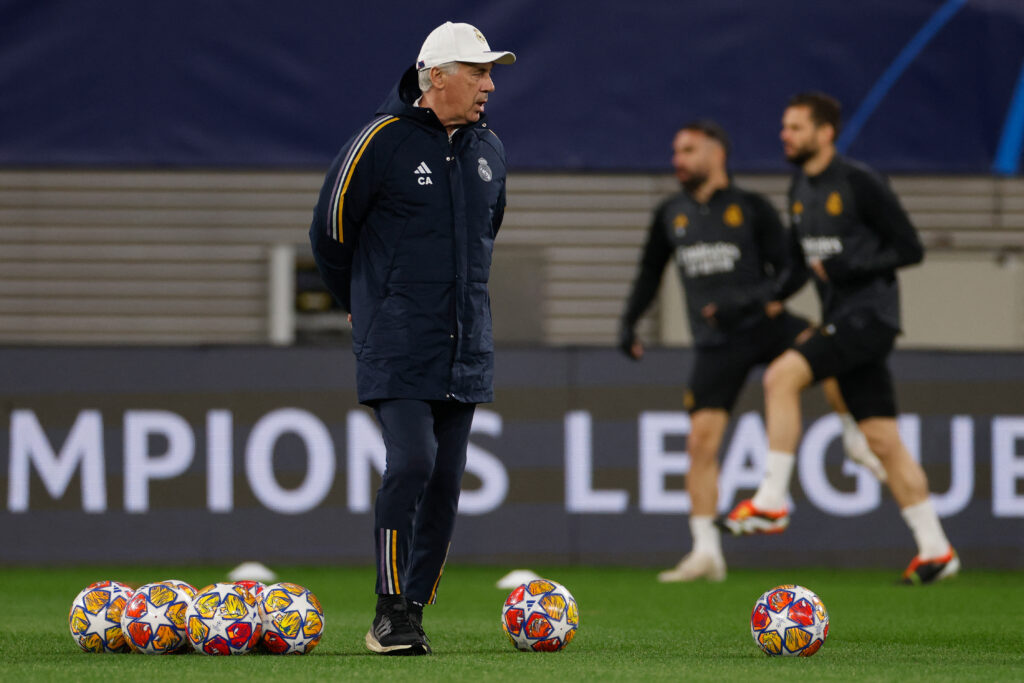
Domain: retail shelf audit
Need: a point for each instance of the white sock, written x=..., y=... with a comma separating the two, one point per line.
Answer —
x=778, y=470
x=849, y=424
x=706, y=536
x=853, y=438
x=927, y=529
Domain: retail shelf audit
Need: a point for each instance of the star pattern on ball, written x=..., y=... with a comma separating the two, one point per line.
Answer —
x=154, y=618
x=780, y=622
x=99, y=623
x=301, y=606
x=789, y=620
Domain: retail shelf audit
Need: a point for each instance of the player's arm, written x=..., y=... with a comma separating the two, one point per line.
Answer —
x=775, y=251
x=881, y=212
x=792, y=276
x=769, y=237
x=656, y=253
x=345, y=199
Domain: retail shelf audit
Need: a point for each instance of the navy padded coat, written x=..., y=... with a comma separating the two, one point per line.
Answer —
x=402, y=235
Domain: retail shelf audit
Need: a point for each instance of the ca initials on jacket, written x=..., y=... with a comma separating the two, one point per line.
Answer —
x=422, y=174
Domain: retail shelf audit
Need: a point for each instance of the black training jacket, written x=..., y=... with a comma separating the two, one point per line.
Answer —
x=730, y=252
x=850, y=219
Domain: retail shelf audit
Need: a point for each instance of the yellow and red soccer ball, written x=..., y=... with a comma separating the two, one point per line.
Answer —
x=222, y=619
x=95, y=617
x=254, y=587
x=184, y=585
x=153, y=621
x=789, y=621
x=540, y=616
x=292, y=619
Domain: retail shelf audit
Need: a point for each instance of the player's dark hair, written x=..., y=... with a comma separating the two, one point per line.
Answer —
x=824, y=108
x=712, y=130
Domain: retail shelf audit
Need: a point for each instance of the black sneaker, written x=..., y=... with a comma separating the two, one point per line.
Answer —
x=416, y=617
x=392, y=631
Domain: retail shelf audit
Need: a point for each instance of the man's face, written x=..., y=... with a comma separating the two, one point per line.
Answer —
x=466, y=92
x=801, y=138
x=694, y=156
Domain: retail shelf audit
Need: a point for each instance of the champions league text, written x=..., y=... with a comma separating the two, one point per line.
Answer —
x=157, y=445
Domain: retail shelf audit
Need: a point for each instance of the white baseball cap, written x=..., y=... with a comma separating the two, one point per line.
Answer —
x=458, y=43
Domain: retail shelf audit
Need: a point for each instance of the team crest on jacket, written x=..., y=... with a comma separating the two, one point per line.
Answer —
x=484, y=170
x=689, y=401
x=679, y=223
x=834, y=204
x=733, y=216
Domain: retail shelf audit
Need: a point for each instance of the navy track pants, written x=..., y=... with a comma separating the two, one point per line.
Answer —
x=414, y=514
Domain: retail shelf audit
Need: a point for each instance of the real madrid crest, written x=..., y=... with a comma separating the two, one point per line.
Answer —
x=679, y=223
x=796, y=210
x=733, y=216
x=834, y=204
x=484, y=170
x=689, y=401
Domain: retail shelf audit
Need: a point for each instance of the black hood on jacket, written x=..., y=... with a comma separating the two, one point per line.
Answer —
x=406, y=91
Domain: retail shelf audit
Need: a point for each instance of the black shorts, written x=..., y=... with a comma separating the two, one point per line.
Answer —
x=854, y=350
x=719, y=372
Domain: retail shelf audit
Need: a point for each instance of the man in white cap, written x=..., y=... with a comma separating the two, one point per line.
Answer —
x=402, y=235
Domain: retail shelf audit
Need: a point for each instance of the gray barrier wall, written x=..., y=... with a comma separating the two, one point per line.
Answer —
x=135, y=455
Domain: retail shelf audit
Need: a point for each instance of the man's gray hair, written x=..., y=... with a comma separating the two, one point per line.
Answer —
x=424, y=74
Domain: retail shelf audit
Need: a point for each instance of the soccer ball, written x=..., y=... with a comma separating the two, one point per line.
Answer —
x=789, y=621
x=292, y=618
x=95, y=617
x=254, y=587
x=183, y=585
x=540, y=616
x=222, y=620
x=153, y=621
x=119, y=584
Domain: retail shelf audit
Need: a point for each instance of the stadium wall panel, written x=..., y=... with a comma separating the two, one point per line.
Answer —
x=173, y=455
x=183, y=257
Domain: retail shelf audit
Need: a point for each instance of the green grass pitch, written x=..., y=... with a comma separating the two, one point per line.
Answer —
x=632, y=628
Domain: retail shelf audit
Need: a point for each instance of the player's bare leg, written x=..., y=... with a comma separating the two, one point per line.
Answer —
x=907, y=479
x=936, y=559
x=786, y=377
x=855, y=444
x=707, y=427
x=766, y=513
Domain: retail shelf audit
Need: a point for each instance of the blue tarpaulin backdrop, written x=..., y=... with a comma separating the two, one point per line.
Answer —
x=928, y=85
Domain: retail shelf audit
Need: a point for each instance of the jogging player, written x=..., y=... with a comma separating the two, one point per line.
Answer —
x=850, y=232
x=731, y=252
